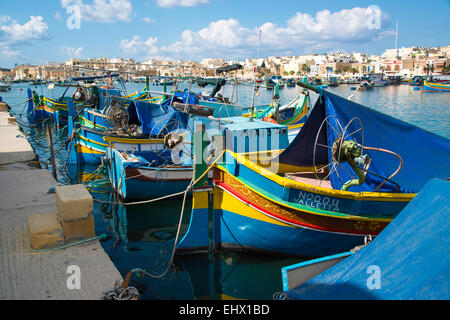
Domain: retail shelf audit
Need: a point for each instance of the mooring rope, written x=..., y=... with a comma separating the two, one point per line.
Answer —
x=120, y=290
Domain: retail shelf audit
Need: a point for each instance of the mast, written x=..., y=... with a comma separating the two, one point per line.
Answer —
x=396, y=37
x=254, y=79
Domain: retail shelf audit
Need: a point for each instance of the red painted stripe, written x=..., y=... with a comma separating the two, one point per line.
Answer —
x=224, y=186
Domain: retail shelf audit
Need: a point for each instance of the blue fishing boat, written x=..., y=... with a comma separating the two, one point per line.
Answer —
x=138, y=178
x=417, y=81
x=85, y=95
x=337, y=182
x=407, y=261
x=290, y=83
x=435, y=86
x=140, y=128
x=333, y=81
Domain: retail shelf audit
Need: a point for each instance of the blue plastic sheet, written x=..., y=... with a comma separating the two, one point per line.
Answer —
x=156, y=118
x=408, y=260
x=424, y=154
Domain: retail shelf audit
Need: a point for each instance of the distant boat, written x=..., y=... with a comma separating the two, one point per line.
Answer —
x=4, y=86
x=290, y=83
x=333, y=82
x=416, y=81
x=433, y=86
x=364, y=85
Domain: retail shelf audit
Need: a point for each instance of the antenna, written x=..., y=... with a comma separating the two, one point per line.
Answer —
x=254, y=78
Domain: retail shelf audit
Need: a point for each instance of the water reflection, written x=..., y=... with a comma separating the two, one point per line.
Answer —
x=143, y=236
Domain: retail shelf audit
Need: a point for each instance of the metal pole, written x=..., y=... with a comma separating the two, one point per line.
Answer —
x=254, y=79
x=52, y=152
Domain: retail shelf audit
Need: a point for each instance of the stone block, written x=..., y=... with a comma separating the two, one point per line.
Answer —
x=74, y=202
x=45, y=231
x=11, y=120
x=79, y=229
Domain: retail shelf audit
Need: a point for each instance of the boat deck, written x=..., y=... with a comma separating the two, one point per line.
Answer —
x=310, y=178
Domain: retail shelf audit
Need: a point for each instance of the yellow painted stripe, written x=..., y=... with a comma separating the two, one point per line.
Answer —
x=230, y=203
x=84, y=149
x=88, y=121
x=131, y=140
x=92, y=141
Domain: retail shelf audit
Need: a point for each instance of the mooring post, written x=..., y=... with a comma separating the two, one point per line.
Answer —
x=200, y=145
x=52, y=152
x=197, y=237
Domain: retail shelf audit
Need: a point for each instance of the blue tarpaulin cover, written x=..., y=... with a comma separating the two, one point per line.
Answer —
x=410, y=256
x=155, y=117
x=183, y=96
x=425, y=155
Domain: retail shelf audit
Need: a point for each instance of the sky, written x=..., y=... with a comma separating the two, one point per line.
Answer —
x=41, y=31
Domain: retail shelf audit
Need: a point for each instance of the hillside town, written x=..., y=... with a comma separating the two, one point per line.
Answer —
x=402, y=62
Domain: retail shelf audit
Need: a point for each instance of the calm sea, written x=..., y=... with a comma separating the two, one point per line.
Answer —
x=143, y=236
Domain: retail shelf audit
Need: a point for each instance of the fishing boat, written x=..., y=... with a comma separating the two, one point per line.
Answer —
x=377, y=80
x=292, y=114
x=434, y=86
x=271, y=82
x=337, y=182
x=417, y=81
x=290, y=83
x=84, y=95
x=365, y=84
x=138, y=128
x=136, y=177
x=333, y=81
x=4, y=86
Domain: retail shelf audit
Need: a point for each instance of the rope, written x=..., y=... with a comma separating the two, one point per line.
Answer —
x=140, y=272
x=170, y=195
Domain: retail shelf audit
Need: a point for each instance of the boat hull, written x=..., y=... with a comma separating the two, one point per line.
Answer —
x=239, y=225
x=137, y=180
x=89, y=146
x=432, y=86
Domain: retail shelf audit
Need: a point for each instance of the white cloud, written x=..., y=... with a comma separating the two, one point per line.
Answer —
x=101, y=10
x=72, y=52
x=181, y=3
x=14, y=35
x=148, y=20
x=300, y=34
x=136, y=46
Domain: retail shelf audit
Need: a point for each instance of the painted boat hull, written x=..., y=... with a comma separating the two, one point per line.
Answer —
x=256, y=211
x=432, y=86
x=89, y=146
x=138, y=181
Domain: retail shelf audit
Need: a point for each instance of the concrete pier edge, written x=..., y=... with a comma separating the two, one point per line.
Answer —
x=81, y=272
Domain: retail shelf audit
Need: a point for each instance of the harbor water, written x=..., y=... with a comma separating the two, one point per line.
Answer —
x=142, y=236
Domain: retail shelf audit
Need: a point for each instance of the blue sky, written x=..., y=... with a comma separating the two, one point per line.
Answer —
x=37, y=31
